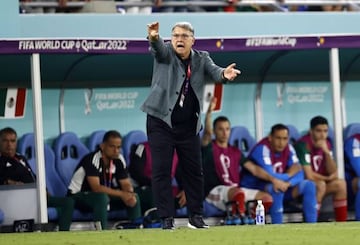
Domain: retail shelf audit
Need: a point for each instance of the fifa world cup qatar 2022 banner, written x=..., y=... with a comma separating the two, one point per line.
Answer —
x=116, y=46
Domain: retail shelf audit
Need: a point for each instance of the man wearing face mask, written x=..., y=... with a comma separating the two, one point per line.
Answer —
x=173, y=117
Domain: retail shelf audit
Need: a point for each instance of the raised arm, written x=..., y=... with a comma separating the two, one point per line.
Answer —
x=153, y=31
x=208, y=131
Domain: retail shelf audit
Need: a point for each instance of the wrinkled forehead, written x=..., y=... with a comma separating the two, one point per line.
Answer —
x=183, y=26
x=180, y=30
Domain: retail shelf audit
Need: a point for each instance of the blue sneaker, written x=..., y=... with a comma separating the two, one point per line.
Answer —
x=248, y=220
x=251, y=221
x=236, y=220
x=245, y=220
x=228, y=220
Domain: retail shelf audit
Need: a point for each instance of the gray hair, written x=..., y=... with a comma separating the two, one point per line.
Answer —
x=185, y=25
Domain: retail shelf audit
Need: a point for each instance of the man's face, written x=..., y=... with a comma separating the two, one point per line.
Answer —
x=111, y=148
x=222, y=131
x=319, y=132
x=182, y=41
x=279, y=140
x=8, y=143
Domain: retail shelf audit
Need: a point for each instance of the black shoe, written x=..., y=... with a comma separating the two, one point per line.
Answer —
x=168, y=223
x=197, y=222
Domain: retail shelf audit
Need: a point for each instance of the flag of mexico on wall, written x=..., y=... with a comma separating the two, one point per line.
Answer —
x=213, y=90
x=12, y=102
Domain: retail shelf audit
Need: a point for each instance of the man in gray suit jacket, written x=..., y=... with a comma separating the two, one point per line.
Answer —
x=173, y=117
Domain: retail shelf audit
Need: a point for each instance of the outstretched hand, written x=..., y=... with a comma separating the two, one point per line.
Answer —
x=230, y=73
x=153, y=31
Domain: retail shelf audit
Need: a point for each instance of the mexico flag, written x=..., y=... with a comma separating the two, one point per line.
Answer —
x=12, y=102
x=213, y=90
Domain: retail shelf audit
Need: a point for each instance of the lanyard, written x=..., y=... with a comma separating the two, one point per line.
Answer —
x=107, y=182
x=186, y=85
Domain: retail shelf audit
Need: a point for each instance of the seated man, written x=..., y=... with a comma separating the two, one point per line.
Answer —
x=15, y=170
x=221, y=166
x=277, y=157
x=140, y=170
x=352, y=171
x=315, y=154
x=101, y=182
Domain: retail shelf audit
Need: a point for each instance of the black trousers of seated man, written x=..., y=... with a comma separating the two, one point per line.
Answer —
x=163, y=140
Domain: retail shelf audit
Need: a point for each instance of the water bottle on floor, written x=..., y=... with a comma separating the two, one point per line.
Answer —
x=260, y=213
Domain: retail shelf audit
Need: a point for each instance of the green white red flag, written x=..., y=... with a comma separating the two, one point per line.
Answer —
x=12, y=102
x=213, y=90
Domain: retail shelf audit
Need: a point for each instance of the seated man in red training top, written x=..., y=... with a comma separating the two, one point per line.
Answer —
x=315, y=154
x=221, y=166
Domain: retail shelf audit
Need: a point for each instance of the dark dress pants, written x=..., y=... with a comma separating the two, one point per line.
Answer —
x=163, y=141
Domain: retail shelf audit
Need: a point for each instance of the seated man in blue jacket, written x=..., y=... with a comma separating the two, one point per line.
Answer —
x=276, y=156
x=352, y=172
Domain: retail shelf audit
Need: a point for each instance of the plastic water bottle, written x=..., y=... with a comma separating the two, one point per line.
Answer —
x=260, y=213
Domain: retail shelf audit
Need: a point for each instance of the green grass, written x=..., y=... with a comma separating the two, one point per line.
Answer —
x=289, y=234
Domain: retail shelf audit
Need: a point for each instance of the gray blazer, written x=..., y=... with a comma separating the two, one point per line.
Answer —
x=169, y=75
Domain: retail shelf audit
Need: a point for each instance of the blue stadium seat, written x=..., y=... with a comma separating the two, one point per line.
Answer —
x=240, y=137
x=54, y=184
x=348, y=148
x=294, y=134
x=351, y=129
x=95, y=139
x=131, y=138
x=1, y=216
x=212, y=211
x=26, y=147
x=69, y=150
x=201, y=133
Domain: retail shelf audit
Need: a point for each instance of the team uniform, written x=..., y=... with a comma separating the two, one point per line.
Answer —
x=276, y=164
x=15, y=168
x=18, y=169
x=310, y=155
x=221, y=173
x=86, y=200
x=352, y=170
